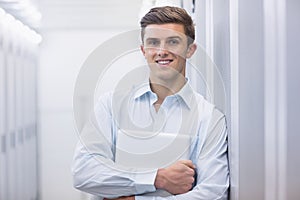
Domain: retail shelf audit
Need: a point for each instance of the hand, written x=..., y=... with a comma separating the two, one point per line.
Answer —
x=177, y=178
x=122, y=198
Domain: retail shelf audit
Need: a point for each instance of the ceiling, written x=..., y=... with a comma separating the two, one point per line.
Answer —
x=81, y=14
x=89, y=14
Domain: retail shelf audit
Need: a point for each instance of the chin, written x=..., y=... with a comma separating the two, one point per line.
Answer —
x=169, y=76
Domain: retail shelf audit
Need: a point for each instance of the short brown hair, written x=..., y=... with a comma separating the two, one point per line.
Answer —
x=168, y=14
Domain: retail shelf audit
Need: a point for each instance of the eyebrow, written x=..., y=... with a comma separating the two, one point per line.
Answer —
x=147, y=39
x=174, y=37
x=171, y=37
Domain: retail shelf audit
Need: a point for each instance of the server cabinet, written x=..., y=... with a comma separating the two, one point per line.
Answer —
x=212, y=19
x=11, y=116
x=3, y=144
x=20, y=153
x=18, y=107
x=30, y=122
x=293, y=98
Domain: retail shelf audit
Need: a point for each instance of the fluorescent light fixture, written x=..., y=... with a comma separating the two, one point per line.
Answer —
x=24, y=10
x=12, y=23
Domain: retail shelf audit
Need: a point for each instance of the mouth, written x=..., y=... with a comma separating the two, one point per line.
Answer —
x=164, y=62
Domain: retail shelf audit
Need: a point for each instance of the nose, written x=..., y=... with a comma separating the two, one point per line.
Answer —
x=162, y=51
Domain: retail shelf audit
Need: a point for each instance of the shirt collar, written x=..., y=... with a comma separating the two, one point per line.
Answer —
x=186, y=93
x=142, y=90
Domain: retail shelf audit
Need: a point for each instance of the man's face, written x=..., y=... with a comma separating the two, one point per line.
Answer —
x=165, y=48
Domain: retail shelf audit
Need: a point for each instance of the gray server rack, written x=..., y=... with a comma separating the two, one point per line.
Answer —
x=18, y=106
x=3, y=144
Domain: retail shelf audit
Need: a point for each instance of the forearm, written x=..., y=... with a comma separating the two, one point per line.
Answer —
x=203, y=192
x=95, y=172
x=208, y=189
x=102, y=177
x=123, y=198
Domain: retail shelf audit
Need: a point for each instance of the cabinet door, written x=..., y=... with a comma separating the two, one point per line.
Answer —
x=11, y=124
x=3, y=138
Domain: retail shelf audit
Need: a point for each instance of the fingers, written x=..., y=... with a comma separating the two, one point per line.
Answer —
x=188, y=163
x=191, y=167
x=177, y=178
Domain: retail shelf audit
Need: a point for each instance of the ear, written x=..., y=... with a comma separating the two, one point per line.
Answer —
x=142, y=49
x=191, y=50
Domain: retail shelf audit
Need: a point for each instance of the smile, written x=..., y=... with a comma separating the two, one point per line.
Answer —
x=164, y=62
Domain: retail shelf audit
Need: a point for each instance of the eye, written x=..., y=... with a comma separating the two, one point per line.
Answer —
x=152, y=42
x=173, y=42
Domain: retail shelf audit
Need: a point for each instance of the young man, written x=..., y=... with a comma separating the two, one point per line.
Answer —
x=167, y=41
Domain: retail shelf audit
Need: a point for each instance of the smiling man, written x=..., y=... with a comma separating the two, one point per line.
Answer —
x=166, y=48
x=167, y=103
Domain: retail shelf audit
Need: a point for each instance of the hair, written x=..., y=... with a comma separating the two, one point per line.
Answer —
x=168, y=14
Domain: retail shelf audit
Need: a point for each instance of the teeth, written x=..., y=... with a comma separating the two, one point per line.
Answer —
x=163, y=62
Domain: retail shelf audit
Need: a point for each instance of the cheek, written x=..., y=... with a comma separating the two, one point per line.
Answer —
x=180, y=52
x=149, y=56
x=149, y=52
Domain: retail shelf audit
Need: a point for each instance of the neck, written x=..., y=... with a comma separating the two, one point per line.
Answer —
x=166, y=88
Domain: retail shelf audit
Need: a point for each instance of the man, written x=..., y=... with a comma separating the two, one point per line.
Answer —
x=166, y=103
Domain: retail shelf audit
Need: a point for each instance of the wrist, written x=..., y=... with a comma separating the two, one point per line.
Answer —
x=159, y=182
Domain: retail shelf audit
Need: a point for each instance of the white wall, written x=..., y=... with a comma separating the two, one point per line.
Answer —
x=62, y=54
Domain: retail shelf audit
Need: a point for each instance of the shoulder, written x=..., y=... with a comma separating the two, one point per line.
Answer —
x=209, y=111
x=112, y=100
x=204, y=106
x=217, y=119
x=107, y=96
x=104, y=101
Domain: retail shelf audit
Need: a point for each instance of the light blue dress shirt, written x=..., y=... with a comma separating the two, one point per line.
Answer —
x=94, y=169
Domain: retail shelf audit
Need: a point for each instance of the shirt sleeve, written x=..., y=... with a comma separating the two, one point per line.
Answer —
x=93, y=167
x=212, y=166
